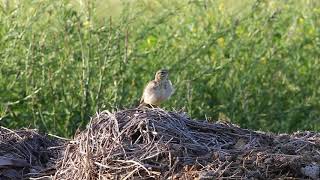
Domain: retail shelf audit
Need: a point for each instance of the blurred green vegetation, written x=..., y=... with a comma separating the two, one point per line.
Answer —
x=255, y=62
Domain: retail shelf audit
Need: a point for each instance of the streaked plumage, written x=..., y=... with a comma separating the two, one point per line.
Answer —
x=157, y=90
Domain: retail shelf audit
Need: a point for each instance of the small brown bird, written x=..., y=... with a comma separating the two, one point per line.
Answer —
x=157, y=90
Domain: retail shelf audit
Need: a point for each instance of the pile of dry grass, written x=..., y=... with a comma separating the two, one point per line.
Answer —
x=155, y=144
x=27, y=154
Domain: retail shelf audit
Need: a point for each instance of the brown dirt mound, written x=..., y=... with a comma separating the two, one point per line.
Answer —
x=155, y=144
x=25, y=154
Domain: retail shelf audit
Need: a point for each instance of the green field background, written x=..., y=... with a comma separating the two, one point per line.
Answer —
x=252, y=62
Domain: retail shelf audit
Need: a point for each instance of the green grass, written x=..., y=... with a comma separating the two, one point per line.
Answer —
x=256, y=63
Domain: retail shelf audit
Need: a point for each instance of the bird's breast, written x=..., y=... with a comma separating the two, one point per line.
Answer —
x=159, y=93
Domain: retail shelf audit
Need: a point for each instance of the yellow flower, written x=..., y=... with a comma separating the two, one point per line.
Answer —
x=272, y=5
x=87, y=24
x=221, y=7
x=263, y=60
x=220, y=42
x=311, y=31
x=240, y=31
x=301, y=20
x=151, y=40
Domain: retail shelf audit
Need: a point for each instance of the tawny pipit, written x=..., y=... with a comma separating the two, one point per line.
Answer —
x=157, y=90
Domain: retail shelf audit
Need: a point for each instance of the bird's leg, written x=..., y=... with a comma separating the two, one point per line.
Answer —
x=146, y=105
x=142, y=105
x=153, y=106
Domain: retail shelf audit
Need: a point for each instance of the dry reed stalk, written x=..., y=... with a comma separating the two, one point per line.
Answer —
x=156, y=144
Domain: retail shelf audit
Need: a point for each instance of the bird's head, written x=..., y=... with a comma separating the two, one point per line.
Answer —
x=162, y=75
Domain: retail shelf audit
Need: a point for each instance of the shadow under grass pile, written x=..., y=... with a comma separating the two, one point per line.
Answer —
x=26, y=154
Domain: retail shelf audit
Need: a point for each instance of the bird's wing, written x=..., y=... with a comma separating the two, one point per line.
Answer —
x=151, y=85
